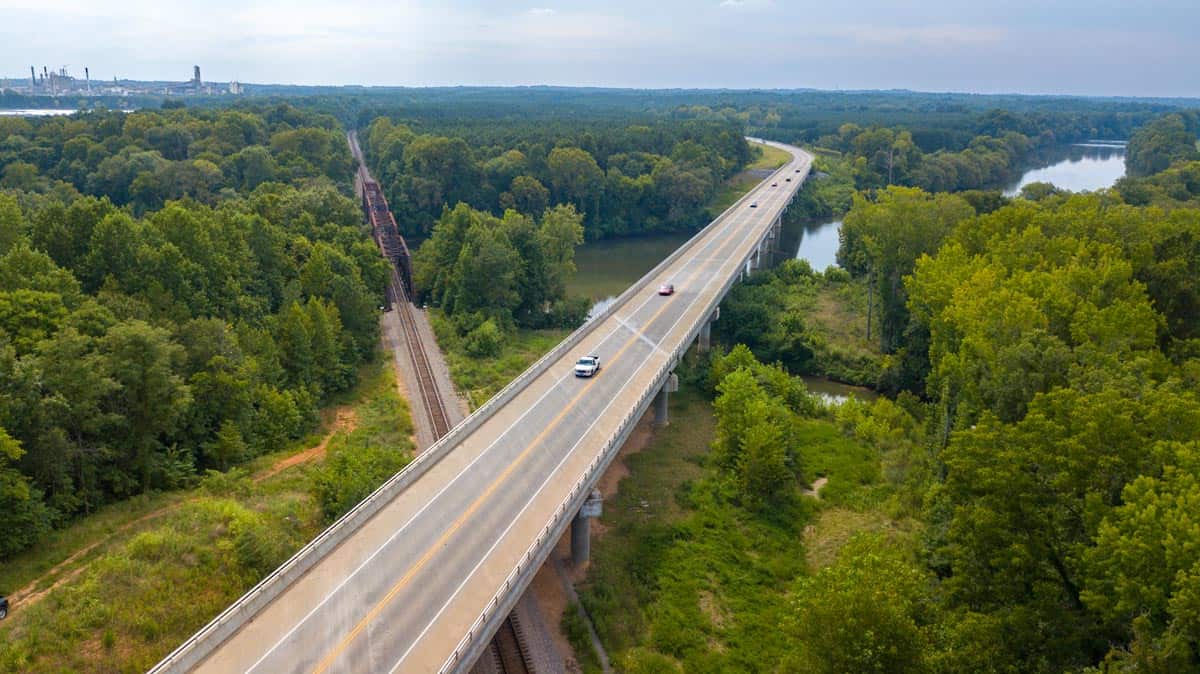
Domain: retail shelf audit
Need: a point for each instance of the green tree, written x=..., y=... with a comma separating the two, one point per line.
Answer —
x=150, y=402
x=865, y=613
x=23, y=516
x=1166, y=140
x=576, y=178
x=884, y=238
x=1145, y=564
x=527, y=195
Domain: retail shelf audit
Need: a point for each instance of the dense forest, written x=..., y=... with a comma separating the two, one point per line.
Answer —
x=148, y=157
x=1042, y=441
x=624, y=179
x=179, y=291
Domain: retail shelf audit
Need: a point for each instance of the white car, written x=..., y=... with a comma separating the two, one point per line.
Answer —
x=587, y=366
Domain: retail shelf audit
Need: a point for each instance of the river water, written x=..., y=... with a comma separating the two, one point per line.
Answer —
x=607, y=268
x=1085, y=166
x=35, y=113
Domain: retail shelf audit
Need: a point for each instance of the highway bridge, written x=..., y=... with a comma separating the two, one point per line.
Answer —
x=419, y=575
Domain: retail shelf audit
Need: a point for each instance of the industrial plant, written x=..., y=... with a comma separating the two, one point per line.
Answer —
x=61, y=82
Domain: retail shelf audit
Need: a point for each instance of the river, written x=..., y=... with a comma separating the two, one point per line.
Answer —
x=1080, y=167
x=35, y=113
x=606, y=268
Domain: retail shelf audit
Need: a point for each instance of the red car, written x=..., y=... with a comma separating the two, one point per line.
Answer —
x=666, y=289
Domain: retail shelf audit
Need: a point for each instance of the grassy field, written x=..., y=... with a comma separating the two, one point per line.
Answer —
x=684, y=581
x=837, y=314
x=480, y=378
x=769, y=159
x=158, y=568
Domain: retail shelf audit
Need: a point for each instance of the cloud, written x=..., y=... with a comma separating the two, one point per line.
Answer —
x=929, y=35
x=744, y=4
x=984, y=45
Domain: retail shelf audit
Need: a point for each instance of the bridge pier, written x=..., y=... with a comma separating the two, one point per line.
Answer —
x=661, y=400
x=704, y=339
x=581, y=527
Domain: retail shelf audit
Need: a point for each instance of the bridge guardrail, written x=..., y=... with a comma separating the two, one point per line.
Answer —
x=613, y=444
x=200, y=645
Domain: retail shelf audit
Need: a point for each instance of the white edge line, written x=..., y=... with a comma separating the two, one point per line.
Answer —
x=546, y=481
x=435, y=497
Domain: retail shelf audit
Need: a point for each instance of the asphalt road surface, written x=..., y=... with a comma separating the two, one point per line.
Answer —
x=400, y=593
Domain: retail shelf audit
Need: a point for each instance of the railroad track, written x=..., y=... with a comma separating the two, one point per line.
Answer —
x=395, y=251
x=509, y=651
x=435, y=408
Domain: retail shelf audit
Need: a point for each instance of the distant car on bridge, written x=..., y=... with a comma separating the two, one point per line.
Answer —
x=587, y=366
x=774, y=184
x=754, y=205
x=666, y=289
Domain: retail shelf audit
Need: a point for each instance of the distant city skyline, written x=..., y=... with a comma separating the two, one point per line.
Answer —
x=1019, y=46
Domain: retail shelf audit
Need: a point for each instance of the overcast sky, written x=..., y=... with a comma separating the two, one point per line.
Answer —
x=1101, y=47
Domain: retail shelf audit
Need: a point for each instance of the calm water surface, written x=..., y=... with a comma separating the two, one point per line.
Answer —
x=35, y=113
x=1086, y=166
x=1079, y=168
x=606, y=268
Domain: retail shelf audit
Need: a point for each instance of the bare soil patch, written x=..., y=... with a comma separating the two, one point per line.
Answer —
x=345, y=421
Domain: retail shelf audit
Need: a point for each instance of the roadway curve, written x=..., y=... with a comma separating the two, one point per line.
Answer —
x=400, y=593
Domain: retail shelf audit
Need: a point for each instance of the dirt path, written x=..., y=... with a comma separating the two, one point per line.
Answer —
x=31, y=595
x=815, y=490
x=345, y=420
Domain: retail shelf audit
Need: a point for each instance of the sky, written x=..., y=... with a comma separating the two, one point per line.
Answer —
x=1090, y=47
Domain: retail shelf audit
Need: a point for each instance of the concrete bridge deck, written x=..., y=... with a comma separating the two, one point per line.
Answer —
x=416, y=581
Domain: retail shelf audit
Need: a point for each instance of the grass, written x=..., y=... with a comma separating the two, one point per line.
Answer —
x=150, y=583
x=685, y=580
x=769, y=157
x=480, y=378
x=576, y=632
x=38, y=564
x=732, y=189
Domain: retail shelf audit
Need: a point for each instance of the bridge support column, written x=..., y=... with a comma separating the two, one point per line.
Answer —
x=581, y=527
x=661, y=400
x=704, y=339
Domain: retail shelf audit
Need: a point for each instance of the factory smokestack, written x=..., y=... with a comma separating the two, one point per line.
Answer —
x=196, y=76
x=87, y=77
x=33, y=76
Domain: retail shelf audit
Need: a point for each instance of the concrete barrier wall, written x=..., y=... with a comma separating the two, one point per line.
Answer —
x=509, y=592
x=193, y=651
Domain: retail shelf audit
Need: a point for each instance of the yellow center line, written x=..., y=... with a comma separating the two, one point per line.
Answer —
x=433, y=549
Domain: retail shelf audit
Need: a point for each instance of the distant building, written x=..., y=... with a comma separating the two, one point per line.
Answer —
x=235, y=88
